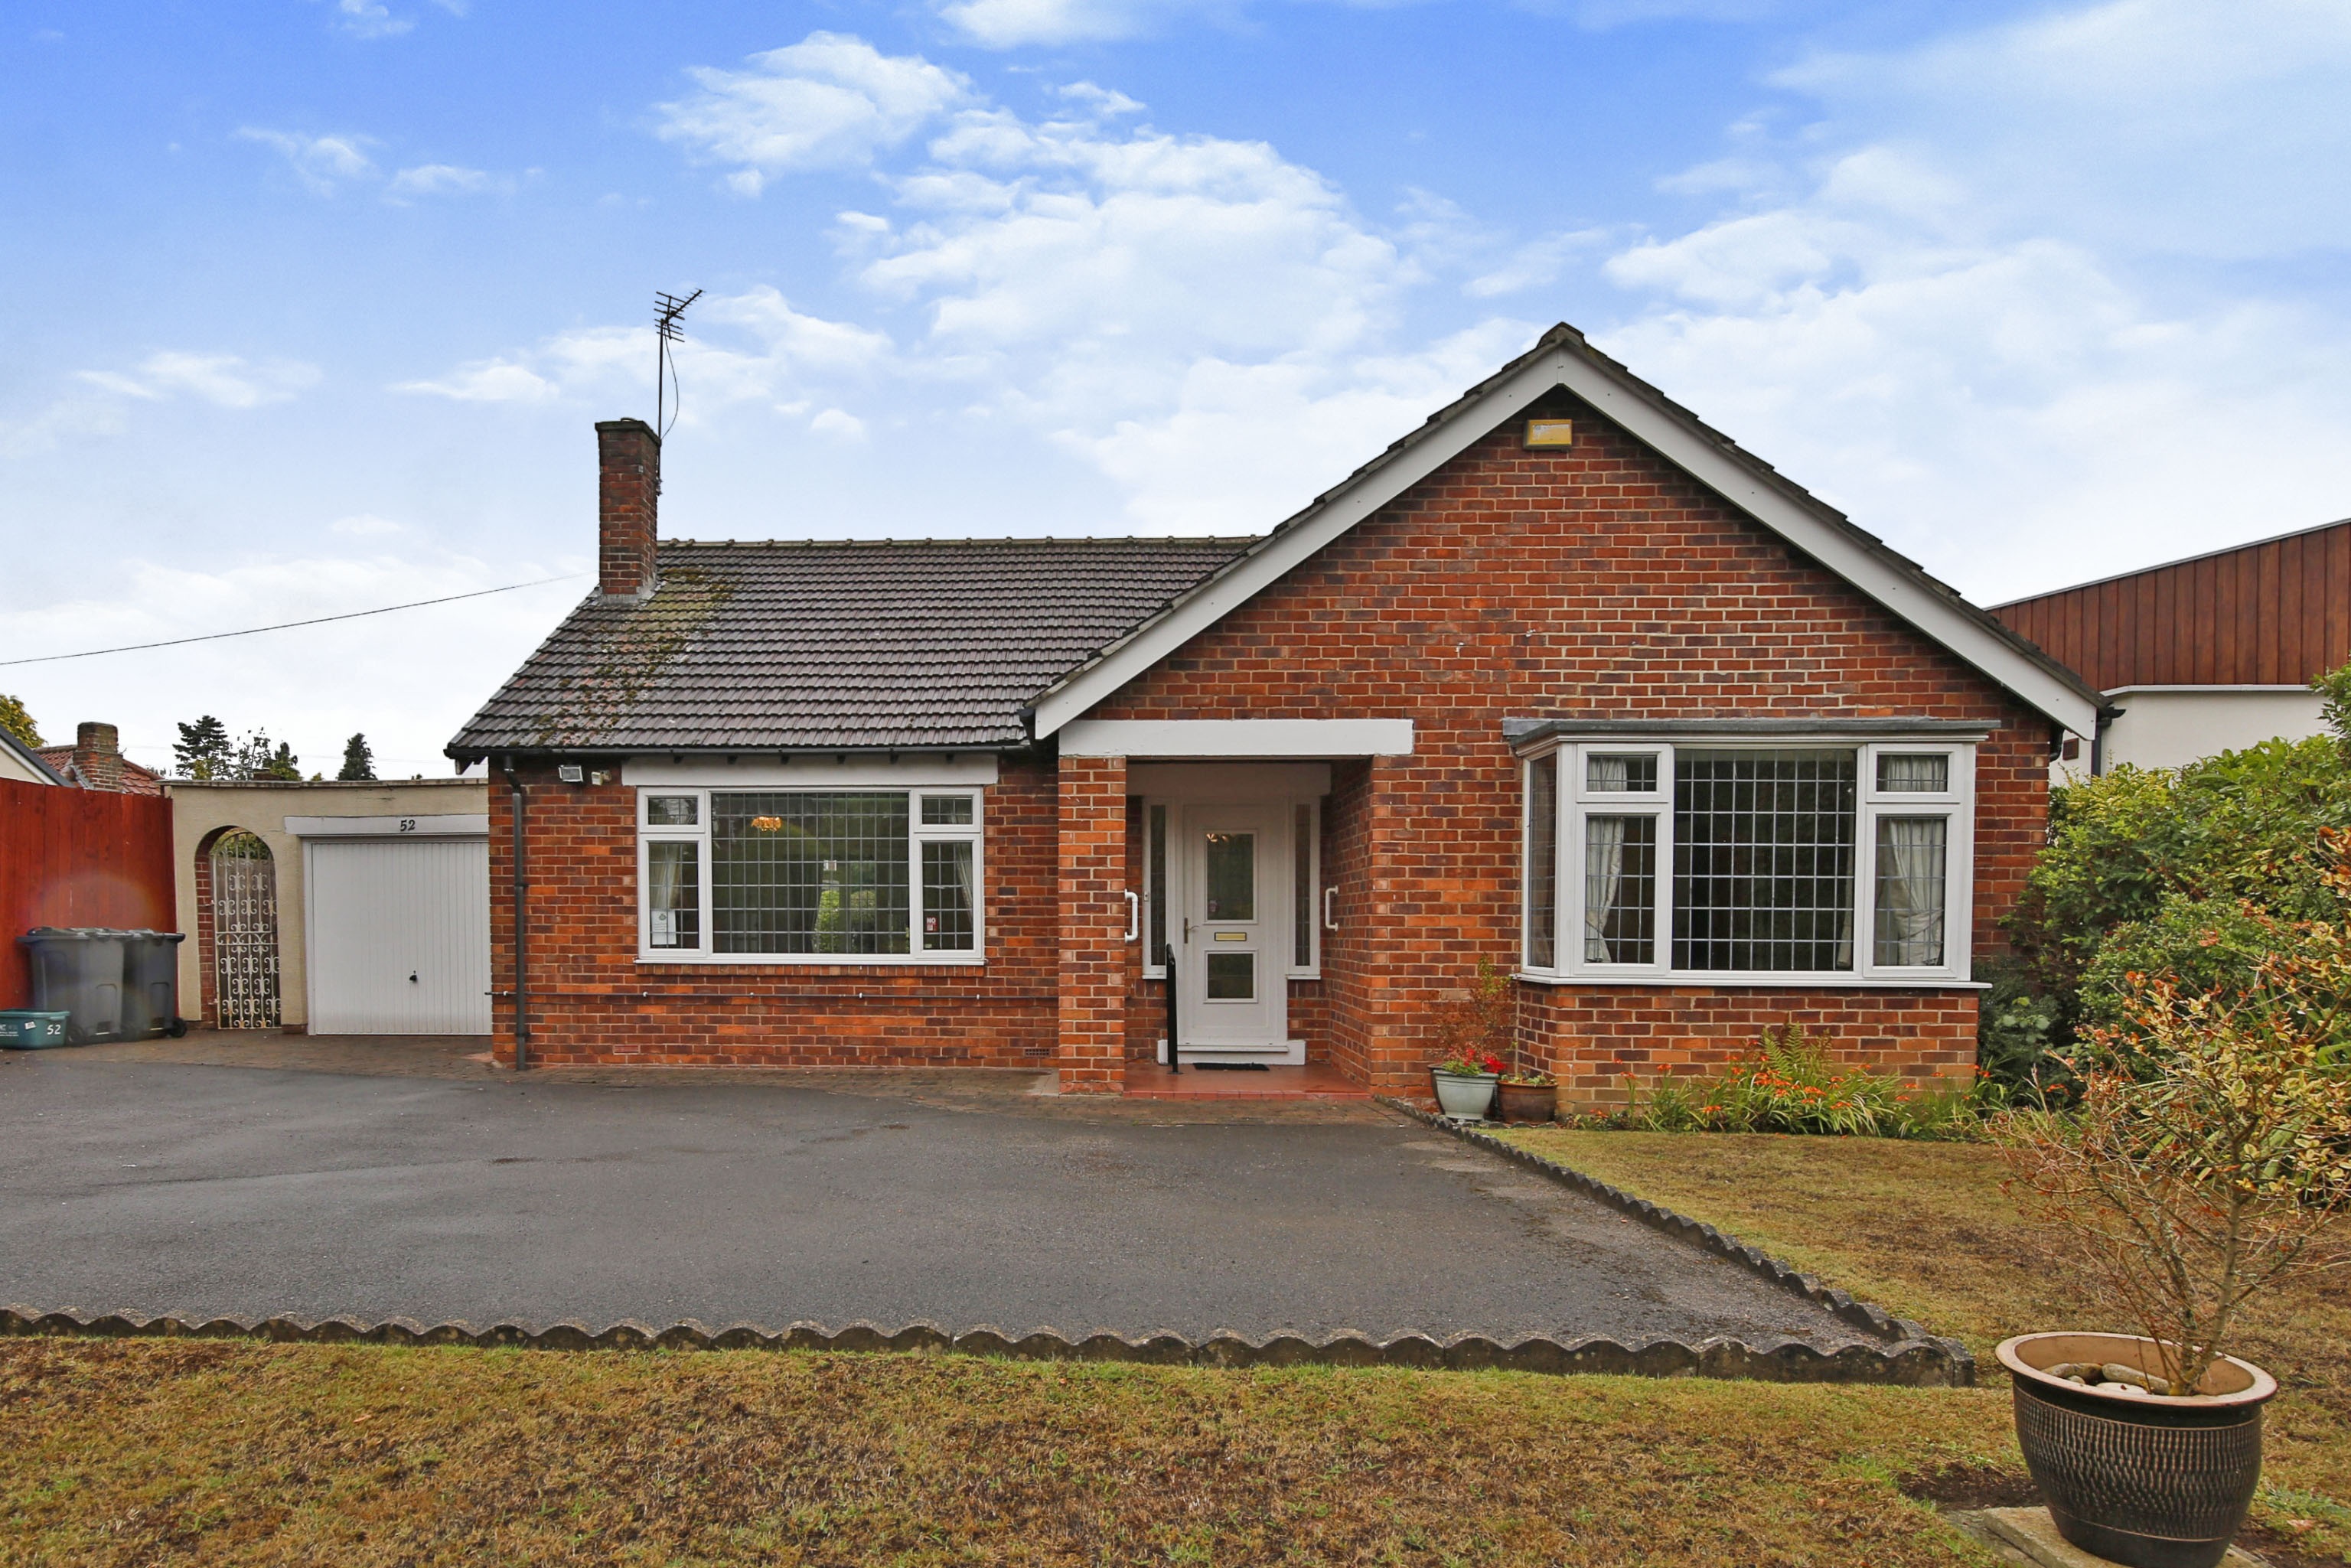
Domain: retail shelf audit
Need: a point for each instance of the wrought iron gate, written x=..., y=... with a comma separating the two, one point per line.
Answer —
x=245, y=932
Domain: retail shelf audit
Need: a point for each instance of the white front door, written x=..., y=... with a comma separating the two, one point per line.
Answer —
x=1233, y=992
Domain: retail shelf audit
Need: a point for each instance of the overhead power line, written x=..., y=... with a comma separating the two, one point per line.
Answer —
x=289, y=625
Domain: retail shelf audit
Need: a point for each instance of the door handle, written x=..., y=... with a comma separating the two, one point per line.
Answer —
x=1133, y=917
x=1187, y=931
x=1330, y=915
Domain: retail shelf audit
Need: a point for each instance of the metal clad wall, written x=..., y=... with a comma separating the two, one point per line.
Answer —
x=79, y=857
x=2268, y=614
x=382, y=910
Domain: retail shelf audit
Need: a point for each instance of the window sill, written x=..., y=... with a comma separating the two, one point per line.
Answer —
x=1716, y=980
x=818, y=960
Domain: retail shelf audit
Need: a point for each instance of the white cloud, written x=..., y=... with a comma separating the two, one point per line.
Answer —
x=829, y=101
x=772, y=354
x=2017, y=374
x=443, y=179
x=486, y=381
x=225, y=380
x=1005, y=24
x=2208, y=130
x=406, y=680
x=1534, y=264
x=840, y=425
x=366, y=526
x=322, y=162
x=370, y=19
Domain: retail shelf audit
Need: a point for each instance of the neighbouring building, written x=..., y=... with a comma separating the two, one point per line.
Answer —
x=333, y=908
x=23, y=764
x=95, y=761
x=1563, y=680
x=2213, y=653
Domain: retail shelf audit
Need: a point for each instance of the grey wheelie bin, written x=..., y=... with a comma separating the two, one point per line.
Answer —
x=78, y=972
x=150, y=984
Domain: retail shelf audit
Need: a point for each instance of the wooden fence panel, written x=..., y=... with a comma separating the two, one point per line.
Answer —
x=79, y=857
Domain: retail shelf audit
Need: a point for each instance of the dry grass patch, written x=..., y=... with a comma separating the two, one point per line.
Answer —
x=1924, y=1230
x=186, y=1452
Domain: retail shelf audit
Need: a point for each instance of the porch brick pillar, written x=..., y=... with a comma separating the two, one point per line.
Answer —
x=1092, y=1054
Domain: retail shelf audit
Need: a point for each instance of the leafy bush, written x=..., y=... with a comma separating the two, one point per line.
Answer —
x=2148, y=871
x=1790, y=1086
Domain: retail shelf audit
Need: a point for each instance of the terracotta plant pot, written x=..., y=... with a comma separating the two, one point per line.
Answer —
x=1529, y=1102
x=1463, y=1097
x=2150, y=1481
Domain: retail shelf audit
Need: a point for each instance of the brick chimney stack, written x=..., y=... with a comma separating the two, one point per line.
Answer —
x=628, y=491
x=98, y=756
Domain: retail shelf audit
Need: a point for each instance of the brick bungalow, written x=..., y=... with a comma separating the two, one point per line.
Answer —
x=1563, y=679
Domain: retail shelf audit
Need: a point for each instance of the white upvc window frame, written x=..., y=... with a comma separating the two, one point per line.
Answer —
x=1575, y=801
x=918, y=833
x=1155, y=970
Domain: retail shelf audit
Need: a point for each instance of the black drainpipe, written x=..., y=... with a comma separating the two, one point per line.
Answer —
x=521, y=923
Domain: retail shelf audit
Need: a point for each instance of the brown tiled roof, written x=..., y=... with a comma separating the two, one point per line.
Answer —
x=136, y=780
x=850, y=644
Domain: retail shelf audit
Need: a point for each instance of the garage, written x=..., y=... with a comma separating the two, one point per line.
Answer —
x=398, y=924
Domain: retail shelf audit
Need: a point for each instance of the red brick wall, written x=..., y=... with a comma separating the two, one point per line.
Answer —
x=590, y=1000
x=1597, y=582
x=1097, y=962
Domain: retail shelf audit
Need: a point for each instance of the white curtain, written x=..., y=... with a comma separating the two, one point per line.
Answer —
x=1910, y=854
x=960, y=858
x=1603, y=872
x=1608, y=775
x=668, y=863
x=1929, y=774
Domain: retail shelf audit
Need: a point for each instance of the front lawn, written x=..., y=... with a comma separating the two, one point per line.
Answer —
x=210, y=1452
x=1924, y=1230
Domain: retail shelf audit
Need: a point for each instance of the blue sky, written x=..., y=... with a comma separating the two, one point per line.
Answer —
x=309, y=304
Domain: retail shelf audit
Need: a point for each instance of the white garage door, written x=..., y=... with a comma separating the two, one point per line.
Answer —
x=400, y=935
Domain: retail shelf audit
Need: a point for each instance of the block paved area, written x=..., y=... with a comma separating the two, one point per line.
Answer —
x=436, y=1188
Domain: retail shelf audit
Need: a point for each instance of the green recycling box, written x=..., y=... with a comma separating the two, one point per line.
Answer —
x=23, y=1029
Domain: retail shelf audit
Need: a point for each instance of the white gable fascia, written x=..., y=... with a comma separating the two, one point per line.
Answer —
x=1690, y=449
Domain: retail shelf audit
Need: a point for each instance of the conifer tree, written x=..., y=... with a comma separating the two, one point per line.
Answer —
x=204, y=750
x=359, y=761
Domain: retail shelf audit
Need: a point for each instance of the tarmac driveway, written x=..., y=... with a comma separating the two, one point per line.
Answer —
x=209, y=1190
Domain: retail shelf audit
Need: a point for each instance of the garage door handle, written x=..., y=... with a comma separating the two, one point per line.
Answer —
x=412, y=976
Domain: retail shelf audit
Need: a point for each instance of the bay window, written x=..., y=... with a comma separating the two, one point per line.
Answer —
x=1793, y=860
x=837, y=875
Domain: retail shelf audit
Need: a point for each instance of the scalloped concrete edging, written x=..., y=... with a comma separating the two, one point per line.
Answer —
x=1903, y=1335
x=1918, y=1365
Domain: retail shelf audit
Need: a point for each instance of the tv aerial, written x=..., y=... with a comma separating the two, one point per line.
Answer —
x=668, y=308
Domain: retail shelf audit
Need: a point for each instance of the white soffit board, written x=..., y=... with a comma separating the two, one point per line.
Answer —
x=1237, y=738
x=914, y=771
x=1694, y=451
x=1229, y=780
x=444, y=827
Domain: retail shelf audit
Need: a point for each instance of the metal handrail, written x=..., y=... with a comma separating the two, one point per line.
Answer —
x=1167, y=961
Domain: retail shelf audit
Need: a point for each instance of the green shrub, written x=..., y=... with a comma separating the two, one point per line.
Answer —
x=1790, y=1086
x=2151, y=871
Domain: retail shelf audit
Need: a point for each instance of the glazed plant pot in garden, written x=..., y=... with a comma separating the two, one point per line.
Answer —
x=1520, y=1099
x=2136, y=1477
x=1464, y=1096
